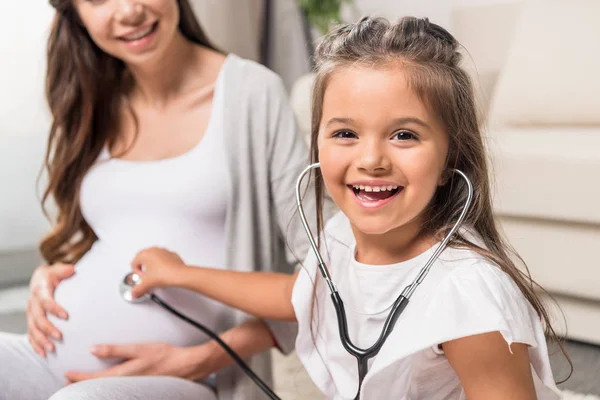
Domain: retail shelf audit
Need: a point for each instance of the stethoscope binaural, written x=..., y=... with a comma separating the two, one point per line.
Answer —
x=362, y=355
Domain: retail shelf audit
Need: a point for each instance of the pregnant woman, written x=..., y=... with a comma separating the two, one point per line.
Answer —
x=160, y=140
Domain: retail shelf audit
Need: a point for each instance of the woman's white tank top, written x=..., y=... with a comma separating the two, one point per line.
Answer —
x=178, y=203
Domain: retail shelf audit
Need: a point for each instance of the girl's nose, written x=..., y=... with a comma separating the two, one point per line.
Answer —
x=373, y=157
x=130, y=12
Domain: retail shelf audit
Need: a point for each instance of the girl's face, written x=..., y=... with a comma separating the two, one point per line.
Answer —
x=382, y=151
x=131, y=30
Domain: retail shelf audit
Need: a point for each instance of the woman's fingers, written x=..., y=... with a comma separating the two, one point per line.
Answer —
x=123, y=351
x=56, y=274
x=40, y=343
x=62, y=271
x=41, y=322
x=127, y=368
x=39, y=350
x=51, y=306
x=42, y=285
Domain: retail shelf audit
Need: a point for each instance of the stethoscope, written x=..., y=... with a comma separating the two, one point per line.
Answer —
x=362, y=355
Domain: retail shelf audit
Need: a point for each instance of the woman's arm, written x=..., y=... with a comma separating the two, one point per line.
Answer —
x=489, y=369
x=264, y=295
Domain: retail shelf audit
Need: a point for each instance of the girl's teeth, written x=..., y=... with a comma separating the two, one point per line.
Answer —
x=375, y=188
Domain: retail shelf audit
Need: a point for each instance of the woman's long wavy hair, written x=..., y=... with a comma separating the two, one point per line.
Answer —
x=84, y=86
x=430, y=57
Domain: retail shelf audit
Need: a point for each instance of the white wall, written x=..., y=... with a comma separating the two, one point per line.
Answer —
x=23, y=33
x=23, y=119
x=437, y=11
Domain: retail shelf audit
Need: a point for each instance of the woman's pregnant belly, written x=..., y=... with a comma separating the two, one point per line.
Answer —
x=99, y=315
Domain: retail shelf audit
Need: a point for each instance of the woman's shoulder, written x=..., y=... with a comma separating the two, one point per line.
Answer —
x=251, y=76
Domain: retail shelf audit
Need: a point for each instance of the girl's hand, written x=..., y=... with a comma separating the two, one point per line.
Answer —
x=43, y=282
x=158, y=268
x=154, y=359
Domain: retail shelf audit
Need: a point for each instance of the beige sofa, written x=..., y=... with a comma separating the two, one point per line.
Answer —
x=537, y=65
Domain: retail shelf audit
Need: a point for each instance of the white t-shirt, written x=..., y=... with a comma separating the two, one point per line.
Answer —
x=178, y=203
x=462, y=295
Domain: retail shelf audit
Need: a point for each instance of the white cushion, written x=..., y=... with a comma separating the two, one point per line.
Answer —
x=551, y=72
x=561, y=257
x=548, y=173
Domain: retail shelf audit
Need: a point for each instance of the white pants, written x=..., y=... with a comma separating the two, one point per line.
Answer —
x=25, y=375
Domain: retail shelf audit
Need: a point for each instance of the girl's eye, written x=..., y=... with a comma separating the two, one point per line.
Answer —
x=404, y=136
x=344, y=135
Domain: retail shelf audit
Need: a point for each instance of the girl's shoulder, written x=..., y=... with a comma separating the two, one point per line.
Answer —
x=468, y=294
x=466, y=269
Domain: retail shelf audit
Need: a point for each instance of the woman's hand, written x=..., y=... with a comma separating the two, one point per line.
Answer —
x=158, y=268
x=192, y=363
x=156, y=359
x=43, y=282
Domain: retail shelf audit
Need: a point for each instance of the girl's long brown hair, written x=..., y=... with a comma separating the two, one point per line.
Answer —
x=430, y=57
x=84, y=86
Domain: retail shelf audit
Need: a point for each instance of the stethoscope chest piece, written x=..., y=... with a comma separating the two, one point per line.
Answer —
x=129, y=281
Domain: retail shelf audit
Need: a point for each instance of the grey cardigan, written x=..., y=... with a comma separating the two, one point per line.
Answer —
x=266, y=153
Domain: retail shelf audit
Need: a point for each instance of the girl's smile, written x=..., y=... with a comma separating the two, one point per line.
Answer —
x=376, y=193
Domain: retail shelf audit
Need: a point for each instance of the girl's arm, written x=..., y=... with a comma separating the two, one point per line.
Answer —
x=264, y=295
x=488, y=369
